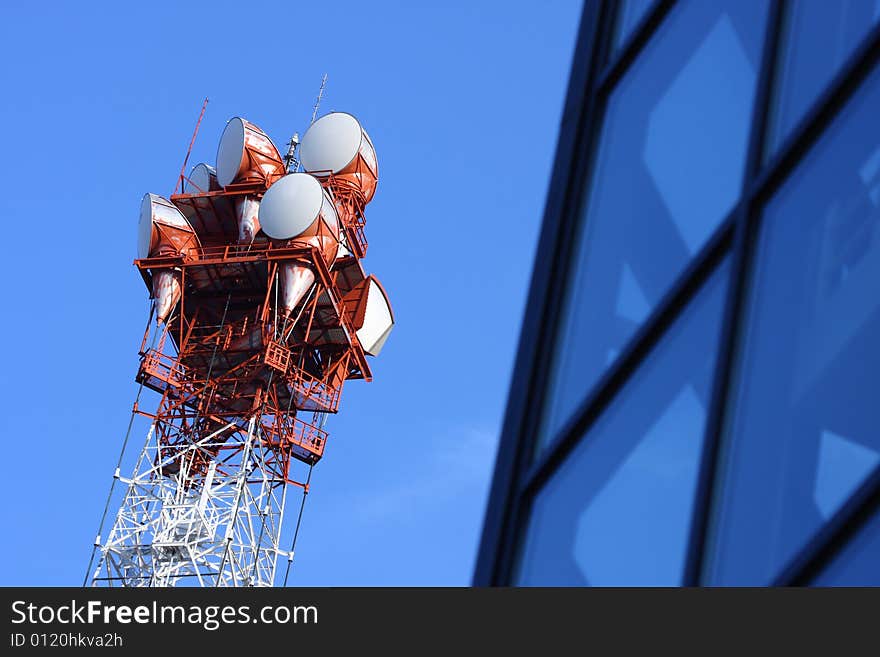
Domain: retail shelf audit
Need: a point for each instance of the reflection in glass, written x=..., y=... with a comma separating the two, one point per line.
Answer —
x=618, y=511
x=630, y=13
x=669, y=169
x=818, y=36
x=857, y=564
x=802, y=427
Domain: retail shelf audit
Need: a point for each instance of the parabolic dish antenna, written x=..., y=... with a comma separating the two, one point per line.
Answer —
x=246, y=154
x=162, y=212
x=333, y=142
x=374, y=318
x=202, y=179
x=293, y=204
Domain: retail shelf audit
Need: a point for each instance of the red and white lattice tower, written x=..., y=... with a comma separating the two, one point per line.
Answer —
x=261, y=310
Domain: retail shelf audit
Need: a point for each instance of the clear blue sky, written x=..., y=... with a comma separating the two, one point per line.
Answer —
x=462, y=100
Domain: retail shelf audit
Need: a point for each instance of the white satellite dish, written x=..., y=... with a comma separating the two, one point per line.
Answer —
x=163, y=230
x=371, y=314
x=246, y=154
x=162, y=212
x=331, y=143
x=292, y=204
x=202, y=179
x=378, y=318
x=145, y=228
x=332, y=146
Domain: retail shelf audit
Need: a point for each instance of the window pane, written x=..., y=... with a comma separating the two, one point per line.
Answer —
x=857, y=564
x=669, y=169
x=618, y=511
x=802, y=429
x=630, y=12
x=817, y=38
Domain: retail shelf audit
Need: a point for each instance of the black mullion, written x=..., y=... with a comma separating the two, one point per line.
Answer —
x=818, y=551
x=633, y=46
x=633, y=354
x=523, y=385
x=836, y=533
x=586, y=144
x=598, y=97
x=822, y=112
x=533, y=474
x=743, y=248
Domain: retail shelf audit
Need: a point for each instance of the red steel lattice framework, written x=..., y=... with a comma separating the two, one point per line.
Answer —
x=244, y=391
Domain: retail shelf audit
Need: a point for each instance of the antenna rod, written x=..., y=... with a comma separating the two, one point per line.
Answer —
x=189, y=150
x=290, y=159
x=318, y=100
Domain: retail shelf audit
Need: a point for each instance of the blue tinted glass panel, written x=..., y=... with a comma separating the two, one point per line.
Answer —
x=802, y=426
x=668, y=170
x=857, y=564
x=818, y=36
x=618, y=511
x=630, y=13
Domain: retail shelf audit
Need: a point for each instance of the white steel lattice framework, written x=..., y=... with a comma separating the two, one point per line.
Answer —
x=221, y=528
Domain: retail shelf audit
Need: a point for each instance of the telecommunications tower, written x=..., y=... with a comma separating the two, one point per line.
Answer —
x=260, y=311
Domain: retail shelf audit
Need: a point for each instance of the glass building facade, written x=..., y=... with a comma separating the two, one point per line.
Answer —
x=695, y=398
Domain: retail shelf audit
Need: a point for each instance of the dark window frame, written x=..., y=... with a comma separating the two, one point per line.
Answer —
x=593, y=77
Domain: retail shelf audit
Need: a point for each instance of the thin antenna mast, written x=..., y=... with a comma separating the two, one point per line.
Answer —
x=291, y=161
x=193, y=141
x=318, y=99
